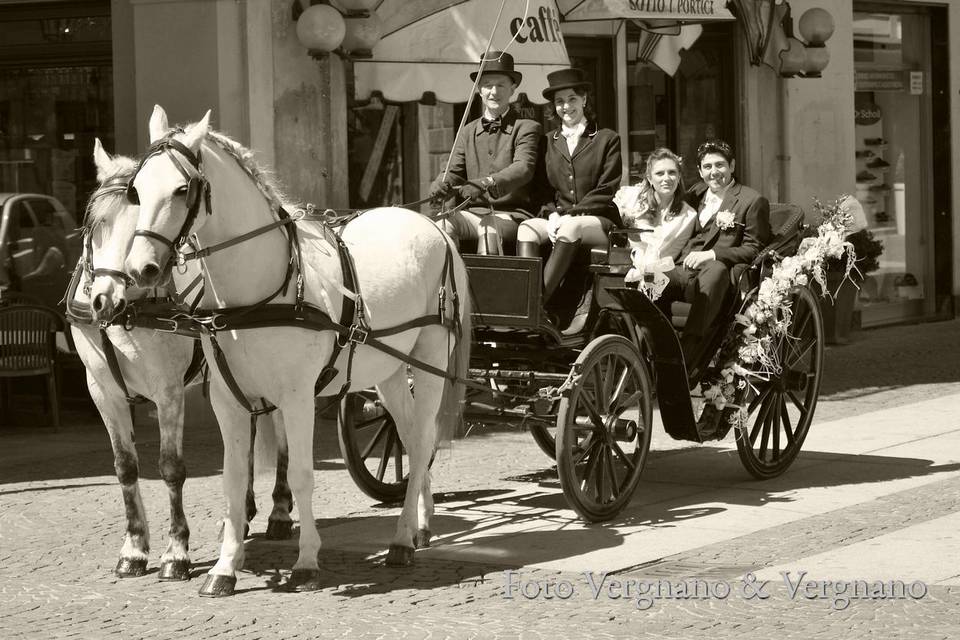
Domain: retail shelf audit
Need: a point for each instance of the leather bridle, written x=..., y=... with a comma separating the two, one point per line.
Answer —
x=111, y=187
x=197, y=189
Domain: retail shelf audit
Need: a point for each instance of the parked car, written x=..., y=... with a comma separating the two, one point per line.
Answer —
x=39, y=246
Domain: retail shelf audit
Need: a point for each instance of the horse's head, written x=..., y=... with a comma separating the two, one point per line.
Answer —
x=108, y=229
x=170, y=188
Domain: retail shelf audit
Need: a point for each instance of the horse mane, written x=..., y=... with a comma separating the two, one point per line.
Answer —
x=264, y=178
x=102, y=204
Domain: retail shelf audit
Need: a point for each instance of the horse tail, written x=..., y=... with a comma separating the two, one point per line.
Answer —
x=268, y=439
x=454, y=391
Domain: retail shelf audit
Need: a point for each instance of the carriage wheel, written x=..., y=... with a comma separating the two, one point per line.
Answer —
x=603, y=428
x=545, y=436
x=780, y=410
x=371, y=447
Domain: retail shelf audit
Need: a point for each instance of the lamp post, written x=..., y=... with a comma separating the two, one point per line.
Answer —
x=348, y=28
x=805, y=58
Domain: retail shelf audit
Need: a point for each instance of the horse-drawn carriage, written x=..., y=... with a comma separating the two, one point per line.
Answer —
x=394, y=309
x=588, y=398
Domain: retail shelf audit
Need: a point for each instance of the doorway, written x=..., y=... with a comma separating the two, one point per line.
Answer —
x=897, y=139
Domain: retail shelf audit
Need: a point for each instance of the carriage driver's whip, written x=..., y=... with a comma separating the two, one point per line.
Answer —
x=476, y=82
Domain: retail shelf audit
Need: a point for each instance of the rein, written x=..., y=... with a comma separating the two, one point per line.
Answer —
x=352, y=328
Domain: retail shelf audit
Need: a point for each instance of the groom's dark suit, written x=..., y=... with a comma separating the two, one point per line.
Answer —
x=706, y=287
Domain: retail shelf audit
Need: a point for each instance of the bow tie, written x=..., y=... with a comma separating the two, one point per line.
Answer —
x=491, y=126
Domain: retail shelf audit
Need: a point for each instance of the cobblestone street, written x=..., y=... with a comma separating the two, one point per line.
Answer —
x=874, y=496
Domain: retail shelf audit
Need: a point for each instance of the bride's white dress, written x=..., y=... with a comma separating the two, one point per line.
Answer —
x=654, y=253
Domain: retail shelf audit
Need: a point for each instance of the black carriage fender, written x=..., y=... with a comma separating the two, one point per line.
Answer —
x=676, y=408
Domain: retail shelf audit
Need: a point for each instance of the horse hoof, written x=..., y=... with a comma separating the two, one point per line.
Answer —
x=422, y=539
x=218, y=586
x=279, y=529
x=304, y=580
x=399, y=556
x=131, y=567
x=174, y=571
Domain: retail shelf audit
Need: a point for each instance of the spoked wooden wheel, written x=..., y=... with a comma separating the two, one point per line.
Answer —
x=545, y=436
x=603, y=429
x=781, y=409
x=371, y=447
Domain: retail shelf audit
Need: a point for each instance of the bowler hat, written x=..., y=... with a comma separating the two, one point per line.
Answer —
x=565, y=79
x=499, y=62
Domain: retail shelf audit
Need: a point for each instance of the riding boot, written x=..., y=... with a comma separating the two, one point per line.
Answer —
x=527, y=249
x=557, y=265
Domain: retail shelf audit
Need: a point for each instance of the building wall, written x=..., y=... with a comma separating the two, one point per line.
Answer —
x=818, y=117
x=241, y=60
x=813, y=149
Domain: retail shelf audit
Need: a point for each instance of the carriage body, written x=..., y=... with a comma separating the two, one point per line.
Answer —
x=587, y=398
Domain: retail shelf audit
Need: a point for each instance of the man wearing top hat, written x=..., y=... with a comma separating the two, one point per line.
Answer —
x=492, y=163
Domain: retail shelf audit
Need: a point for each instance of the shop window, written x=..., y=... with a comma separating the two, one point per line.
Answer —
x=680, y=112
x=56, y=96
x=894, y=143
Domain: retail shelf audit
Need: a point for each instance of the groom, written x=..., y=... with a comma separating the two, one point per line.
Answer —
x=732, y=226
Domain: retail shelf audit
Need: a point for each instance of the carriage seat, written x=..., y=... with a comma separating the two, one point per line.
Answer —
x=786, y=224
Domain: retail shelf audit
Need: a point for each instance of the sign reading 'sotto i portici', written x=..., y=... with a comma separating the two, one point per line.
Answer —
x=696, y=10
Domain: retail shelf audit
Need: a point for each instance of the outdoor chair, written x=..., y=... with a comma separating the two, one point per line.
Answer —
x=28, y=348
x=10, y=297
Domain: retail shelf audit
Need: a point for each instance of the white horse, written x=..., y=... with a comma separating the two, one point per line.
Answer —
x=402, y=261
x=149, y=363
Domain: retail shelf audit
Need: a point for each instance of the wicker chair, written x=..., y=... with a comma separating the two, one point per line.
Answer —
x=28, y=348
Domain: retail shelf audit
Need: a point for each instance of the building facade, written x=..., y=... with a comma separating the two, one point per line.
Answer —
x=881, y=123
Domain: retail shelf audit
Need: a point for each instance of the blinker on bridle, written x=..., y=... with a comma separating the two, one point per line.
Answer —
x=197, y=188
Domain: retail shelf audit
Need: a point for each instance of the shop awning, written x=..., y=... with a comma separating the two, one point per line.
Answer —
x=433, y=46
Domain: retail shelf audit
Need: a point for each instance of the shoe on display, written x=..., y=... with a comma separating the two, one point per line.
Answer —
x=881, y=216
x=875, y=142
x=878, y=163
x=866, y=176
x=866, y=153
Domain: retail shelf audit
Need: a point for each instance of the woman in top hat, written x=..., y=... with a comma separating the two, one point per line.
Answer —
x=583, y=168
x=492, y=163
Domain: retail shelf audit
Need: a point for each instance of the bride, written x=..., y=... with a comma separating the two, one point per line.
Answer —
x=657, y=204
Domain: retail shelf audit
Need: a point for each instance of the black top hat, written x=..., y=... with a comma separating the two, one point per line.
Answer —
x=565, y=79
x=499, y=62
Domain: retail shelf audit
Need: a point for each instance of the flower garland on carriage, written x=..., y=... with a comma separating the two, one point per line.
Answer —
x=752, y=350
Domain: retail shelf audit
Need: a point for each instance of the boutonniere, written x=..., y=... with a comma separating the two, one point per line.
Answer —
x=725, y=220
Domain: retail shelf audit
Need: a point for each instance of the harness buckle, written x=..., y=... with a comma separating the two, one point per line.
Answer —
x=181, y=262
x=357, y=335
x=173, y=325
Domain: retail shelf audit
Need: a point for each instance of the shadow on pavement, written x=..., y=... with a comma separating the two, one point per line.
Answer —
x=894, y=357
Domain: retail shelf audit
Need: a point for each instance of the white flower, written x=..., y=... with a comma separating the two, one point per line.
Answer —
x=725, y=219
x=628, y=202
